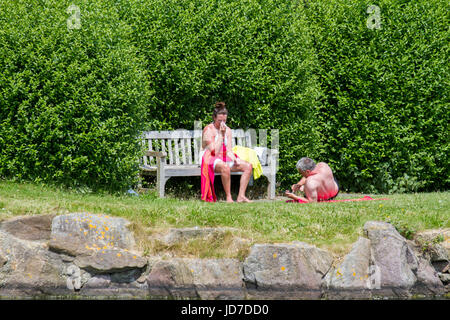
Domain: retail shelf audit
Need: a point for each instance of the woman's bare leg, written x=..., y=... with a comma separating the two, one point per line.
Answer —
x=224, y=171
x=246, y=168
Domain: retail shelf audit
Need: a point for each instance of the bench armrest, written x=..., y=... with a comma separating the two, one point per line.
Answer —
x=272, y=158
x=273, y=152
x=159, y=154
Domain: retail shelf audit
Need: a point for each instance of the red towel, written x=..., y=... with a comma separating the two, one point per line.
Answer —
x=365, y=198
x=207, y=178
x=207, y=173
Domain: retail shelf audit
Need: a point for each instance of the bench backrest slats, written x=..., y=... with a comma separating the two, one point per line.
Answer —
x=183, y=149
x=197, y=146
x=163, y=147
x=151, y=149
x=189, y=150
x=177, y=152
x=170, y=153
x=183, y=146
x=169, y=134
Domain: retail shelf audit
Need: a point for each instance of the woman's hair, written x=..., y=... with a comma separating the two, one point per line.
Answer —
x=220, y=109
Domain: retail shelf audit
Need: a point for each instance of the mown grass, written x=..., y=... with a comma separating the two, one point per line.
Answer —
x=332, y=226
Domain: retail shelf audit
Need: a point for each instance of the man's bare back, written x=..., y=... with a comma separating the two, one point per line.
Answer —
x=321, y=183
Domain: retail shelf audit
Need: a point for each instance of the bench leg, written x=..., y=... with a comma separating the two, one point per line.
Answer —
x=271, y=187
x=160, y=177
x=161, y=183
x=139, y=180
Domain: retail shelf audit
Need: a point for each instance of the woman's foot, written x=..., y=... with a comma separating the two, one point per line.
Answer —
x=243, y=199
x=229, y=199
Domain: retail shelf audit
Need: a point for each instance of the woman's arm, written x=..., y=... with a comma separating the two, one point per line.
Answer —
x=229, y=149
x=210, y=143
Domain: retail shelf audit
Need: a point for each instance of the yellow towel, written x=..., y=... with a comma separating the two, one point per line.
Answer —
x=251, y=157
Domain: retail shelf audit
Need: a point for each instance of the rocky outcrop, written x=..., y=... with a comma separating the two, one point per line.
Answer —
x=197, y=279
x=66, y=254
x=400, y=272
x=34, y=228
x=353, y=277
x=177, y=235
x=383, y=265
x=79, y=234
x=95, y=256
x=435, y=247
x=28, y=268
x=286, y=271
x=392, y=258
x=110, y=261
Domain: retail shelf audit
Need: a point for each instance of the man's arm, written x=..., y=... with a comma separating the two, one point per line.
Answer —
x=310, y=192
x=298, y=185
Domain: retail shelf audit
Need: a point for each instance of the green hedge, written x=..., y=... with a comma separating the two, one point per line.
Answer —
x=72, y=99
x=371, y=102
x=384, y=114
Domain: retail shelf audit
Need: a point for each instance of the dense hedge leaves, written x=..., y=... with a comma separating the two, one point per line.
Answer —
x=373, y=103
x=72, y=100
x=384, y=114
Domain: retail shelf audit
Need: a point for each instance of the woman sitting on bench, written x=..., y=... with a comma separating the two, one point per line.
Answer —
x=217, y=156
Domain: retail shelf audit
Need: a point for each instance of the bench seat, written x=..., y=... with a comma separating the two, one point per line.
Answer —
x=190, y=170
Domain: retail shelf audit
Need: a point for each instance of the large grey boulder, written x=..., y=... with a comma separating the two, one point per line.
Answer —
x=182, y=278
x=177, y=235
x=84, y=233
x=440, y=237
x=110, y=261
x=99, y=244
x=123, y=285
x=182, y=237
x=435, y=246
x=95, y=256
x=29, y=269
x=171, y=278
x=33, y=228
x=217, y=279
x=286, y=271
x=394, y=261
x=398, y=272
x=352, y=278
x=428, y=282
x=83, y=246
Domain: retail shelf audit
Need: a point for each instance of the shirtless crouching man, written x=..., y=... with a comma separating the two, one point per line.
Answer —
x=318, y=182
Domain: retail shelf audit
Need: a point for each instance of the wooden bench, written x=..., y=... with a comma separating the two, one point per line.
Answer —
x=177, y=154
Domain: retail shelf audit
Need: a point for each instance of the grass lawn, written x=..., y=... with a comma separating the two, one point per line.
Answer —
x=331, y=226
